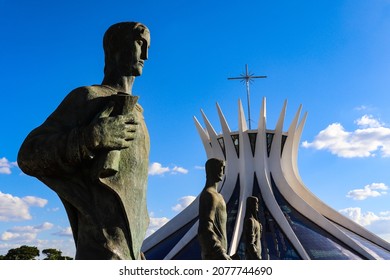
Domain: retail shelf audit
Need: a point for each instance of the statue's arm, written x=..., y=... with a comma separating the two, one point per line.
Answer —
x=251, y=234
x=58, y=145
x=78, y=129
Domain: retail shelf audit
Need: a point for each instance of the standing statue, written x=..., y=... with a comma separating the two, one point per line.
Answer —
x=212, y=214
x=252, y=230
x=93, y=151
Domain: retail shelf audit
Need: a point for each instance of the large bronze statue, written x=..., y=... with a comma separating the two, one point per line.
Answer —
x=212, y=214
x=93, y=152
x=252, y=230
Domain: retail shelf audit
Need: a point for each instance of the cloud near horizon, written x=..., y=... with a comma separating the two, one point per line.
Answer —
x=156, y=168
x=183, y=203
x=155, y=224
x=14, y=208
x=372, y=190
x=64, y=232
x=370, y=139
x=25, y=233
x=378, y=224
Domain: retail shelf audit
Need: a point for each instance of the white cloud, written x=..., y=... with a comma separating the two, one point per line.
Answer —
x=38, y=228
x=13, y=208
x=372, y=190
x=24, y=233
x=6, y=165
x=44, y=226
x=155, y=224
x=35, y=201
x=183, y=203
x=364, y=219
x=181, y=170
x=378, y=224
x=370, y=139
x=64, y=232
x=362, y=108
x=66, y=246
x=368, y=121
x=199, y=167
x=156, y=168
x=20, y=237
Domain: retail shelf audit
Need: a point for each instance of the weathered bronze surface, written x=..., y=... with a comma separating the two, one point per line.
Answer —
x=93, y=152
x=212, y=214
x=252, y=230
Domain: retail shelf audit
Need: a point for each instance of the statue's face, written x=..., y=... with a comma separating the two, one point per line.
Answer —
x=221, y=171
x=215, y=169
x=253, y=205
x=132, y=56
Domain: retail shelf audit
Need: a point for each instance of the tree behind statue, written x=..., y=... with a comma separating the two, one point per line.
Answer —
x=31, y=253
x=22, y=253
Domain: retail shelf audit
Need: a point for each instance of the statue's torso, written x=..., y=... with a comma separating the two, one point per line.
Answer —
x=108, y=216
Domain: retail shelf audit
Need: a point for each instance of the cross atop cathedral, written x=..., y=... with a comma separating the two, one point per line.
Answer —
x=247, y=78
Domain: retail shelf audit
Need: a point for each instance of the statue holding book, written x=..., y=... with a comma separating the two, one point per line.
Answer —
x=93, y=151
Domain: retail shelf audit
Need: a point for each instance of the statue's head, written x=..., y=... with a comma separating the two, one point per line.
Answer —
x=125, y=47
x=252, y=205
x=215, y=169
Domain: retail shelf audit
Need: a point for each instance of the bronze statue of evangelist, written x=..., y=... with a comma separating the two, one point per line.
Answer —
x=93, y=152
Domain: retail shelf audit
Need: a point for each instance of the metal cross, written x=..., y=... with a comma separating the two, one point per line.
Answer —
x=247, y=77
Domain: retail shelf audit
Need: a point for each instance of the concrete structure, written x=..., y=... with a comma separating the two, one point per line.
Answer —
x=296, y=223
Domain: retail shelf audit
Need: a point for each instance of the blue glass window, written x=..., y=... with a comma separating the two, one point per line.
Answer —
x=222, y=144
x=252, y=141
x=232, y=209
x=284, y=138
x=275, y=244
x=236, y=142
x=319, y=244
x=270, y=137
x=190, y=252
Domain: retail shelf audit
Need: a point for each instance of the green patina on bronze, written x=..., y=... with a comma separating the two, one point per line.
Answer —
x=93, y=151
x=252, y=229
x=212, y=214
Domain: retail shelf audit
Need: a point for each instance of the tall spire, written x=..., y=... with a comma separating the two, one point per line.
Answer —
x=247, y=77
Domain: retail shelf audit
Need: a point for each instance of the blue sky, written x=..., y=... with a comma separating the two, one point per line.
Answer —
x=333, y=57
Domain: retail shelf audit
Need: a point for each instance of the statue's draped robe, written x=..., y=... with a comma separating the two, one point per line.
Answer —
x=212, y=226
x=252, y=235
x=108, y=216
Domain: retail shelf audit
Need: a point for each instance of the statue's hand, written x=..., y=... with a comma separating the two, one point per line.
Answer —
x=112, y=133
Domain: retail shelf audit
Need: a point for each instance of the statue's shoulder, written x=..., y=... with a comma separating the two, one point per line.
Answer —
x=90, y=91
x=211, y=195
x=78, y=93
x=84, y=94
